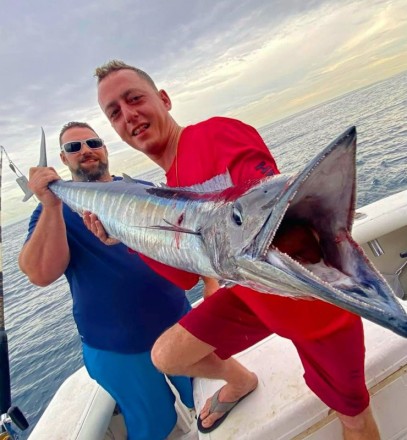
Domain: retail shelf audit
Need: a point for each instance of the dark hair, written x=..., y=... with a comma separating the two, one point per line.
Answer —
x=116, y=65
x=72, y=125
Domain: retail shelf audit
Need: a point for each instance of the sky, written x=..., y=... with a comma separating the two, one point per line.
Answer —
x=254, y=60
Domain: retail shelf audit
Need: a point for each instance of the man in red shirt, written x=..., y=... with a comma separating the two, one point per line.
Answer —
x=329, y=340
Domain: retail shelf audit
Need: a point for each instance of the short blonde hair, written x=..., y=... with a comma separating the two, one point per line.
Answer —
x=115, y=65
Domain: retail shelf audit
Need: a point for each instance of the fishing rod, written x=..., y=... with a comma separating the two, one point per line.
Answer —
x=9, y=415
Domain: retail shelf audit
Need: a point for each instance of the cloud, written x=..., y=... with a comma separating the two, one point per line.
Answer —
x=327, y=45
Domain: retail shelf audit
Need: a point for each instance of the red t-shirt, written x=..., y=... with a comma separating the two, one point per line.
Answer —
x=206, y=150
x=218, y=145
x=211, y=148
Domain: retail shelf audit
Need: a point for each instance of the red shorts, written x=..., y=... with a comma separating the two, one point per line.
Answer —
x=333, y=362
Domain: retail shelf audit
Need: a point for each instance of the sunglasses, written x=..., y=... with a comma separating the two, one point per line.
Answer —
x=76, y=146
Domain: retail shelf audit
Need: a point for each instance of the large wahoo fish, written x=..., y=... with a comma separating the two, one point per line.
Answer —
x=229, y=232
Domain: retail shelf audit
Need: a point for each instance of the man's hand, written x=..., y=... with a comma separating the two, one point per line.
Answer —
x=40, y=177
x=95, y=226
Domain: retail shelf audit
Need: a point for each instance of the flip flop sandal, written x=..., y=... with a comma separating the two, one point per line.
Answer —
x=217, y=406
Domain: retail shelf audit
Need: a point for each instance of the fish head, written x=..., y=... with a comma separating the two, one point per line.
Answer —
x=305, y=247
x=237, y=217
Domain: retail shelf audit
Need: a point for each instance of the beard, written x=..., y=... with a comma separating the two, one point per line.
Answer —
x=91, y=174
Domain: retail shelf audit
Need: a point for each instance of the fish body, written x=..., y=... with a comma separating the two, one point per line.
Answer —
x=231, y=232
x=176, y=226
x=132, y=212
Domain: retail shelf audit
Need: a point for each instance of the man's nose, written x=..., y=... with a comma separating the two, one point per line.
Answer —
x=129, y=114
x=85, y=146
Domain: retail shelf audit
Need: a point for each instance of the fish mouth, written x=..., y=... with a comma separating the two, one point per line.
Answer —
x=305, y=248
x=317, y=205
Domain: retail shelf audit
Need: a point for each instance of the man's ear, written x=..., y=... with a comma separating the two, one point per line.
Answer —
x=63, y=158
x=165, y=99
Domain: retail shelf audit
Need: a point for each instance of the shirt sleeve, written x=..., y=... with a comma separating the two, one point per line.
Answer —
x=238, y=148
x=33, y=221
x=243, y=151
x=184, y=280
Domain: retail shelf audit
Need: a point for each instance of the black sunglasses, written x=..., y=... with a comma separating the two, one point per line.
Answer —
x=76, y=146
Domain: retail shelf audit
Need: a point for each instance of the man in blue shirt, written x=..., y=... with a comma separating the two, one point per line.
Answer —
x=120, y=305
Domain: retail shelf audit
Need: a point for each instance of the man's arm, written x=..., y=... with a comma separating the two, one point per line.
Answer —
x=45, y=255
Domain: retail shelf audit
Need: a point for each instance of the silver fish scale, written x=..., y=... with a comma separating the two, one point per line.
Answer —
x=130, y=214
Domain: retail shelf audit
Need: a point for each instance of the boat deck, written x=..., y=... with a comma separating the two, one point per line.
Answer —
x=283, y=407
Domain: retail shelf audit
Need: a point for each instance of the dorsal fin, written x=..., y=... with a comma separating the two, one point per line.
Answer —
x=217, y=183
x=129, y=179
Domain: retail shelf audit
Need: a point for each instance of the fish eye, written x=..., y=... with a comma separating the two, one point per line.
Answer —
x=237, y=214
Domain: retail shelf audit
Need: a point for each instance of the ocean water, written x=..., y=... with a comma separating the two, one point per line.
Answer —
x=43, y=342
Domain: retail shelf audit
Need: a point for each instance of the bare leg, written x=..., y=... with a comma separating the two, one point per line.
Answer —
x=178, y=352
x=360, y=427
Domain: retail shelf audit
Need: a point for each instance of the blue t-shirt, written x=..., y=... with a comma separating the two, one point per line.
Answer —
x=119, y=303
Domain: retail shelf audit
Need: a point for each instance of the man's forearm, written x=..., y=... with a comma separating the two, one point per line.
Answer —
x=45, y=256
